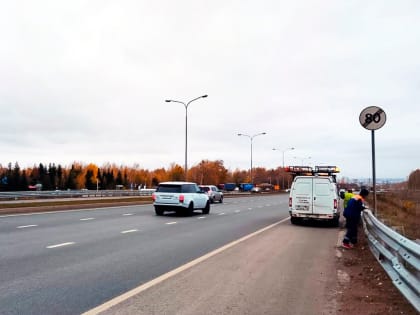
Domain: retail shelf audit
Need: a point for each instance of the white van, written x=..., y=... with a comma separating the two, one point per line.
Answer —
x=314, y=197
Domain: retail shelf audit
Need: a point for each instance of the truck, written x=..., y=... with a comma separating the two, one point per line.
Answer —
x=246, y=186
x=314, y=194
x=229, y=186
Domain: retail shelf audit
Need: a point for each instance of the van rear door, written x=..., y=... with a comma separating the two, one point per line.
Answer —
x=302, y=194
x=323, y=197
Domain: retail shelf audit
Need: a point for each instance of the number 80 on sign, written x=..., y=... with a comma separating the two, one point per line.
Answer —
x=372, y=118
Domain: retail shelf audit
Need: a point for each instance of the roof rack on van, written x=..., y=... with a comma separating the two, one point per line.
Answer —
x=320, y=170
x=327, y=169
x=299, y=169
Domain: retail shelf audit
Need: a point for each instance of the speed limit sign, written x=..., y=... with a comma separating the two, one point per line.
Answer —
x=372, y=118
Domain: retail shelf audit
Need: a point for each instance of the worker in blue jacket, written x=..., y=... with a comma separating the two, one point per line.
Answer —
x=352, y=213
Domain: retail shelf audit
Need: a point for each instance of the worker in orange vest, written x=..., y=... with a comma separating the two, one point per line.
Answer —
x=352, y=213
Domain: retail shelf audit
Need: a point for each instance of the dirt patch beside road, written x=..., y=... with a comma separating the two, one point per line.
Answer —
x=365, y=288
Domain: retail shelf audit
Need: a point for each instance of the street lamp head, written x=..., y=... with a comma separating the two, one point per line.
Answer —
x=204, y=96
x=167, y=101
x=263, y=133
x=239, y=134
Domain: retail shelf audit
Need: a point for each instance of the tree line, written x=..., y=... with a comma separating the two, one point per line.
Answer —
x=111, y=176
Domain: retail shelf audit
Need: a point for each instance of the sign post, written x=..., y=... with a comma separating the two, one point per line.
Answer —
x=373, y=118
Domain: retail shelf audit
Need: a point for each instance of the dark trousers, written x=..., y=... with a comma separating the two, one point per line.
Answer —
x=351, y=234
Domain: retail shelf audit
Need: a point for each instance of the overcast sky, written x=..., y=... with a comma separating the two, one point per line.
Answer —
x=87, y=81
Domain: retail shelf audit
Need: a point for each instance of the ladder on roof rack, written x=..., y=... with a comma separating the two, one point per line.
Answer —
x=319, y=170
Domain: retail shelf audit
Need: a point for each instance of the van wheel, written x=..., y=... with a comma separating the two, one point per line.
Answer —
x=221, y=199
x=206, y=209
x=336, y=222
x=294, y=220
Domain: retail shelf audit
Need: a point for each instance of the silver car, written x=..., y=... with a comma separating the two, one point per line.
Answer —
x=213, y=192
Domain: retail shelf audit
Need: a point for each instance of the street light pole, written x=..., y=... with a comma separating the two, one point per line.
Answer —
x=283, y=151
x=186, y=129
x=251, y=138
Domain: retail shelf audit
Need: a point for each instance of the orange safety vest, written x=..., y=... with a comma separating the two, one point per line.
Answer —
x=358, y=197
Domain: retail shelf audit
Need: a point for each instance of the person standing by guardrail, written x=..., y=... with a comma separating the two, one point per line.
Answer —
x=352, y=213
x=347, y=196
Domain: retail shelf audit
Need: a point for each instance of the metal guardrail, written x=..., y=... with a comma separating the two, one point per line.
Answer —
x=51, y=194
x=399, y=256
x=24, y=195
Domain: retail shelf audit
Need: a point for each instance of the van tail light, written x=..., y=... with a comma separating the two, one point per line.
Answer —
x=335, y=203
x=290, y=201
x=181, y=198
x=153, y=197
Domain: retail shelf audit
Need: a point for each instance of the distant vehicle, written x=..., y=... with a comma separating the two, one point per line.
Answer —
x=246, y=186
x=182, y=197
x=230, y=186
x=266, y=187
x=256, y=189
x=314, y=195
x=213, y=192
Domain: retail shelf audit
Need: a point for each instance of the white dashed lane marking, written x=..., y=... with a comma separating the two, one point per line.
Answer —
x=87, y=219
x=127, y=214
x=26, y=226
x=170, y=223
x=129, y=231
x=61, y=245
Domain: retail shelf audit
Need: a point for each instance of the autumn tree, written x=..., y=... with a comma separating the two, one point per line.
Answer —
x=90, y=175
x=119, y=179
x=239, y=176
x=159, y=175
x=414, y=180
x=208, y=172
x=175, y=172
x=74, y=173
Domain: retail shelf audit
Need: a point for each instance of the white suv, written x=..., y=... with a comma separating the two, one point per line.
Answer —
x=180, y=197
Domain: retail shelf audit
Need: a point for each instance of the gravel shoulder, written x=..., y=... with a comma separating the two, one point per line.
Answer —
x=364, y=287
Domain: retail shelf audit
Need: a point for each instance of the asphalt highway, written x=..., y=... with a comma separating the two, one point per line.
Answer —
x=69, y=262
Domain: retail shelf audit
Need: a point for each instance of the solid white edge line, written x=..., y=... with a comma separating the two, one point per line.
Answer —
x=107, y=305
x=60, y=245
